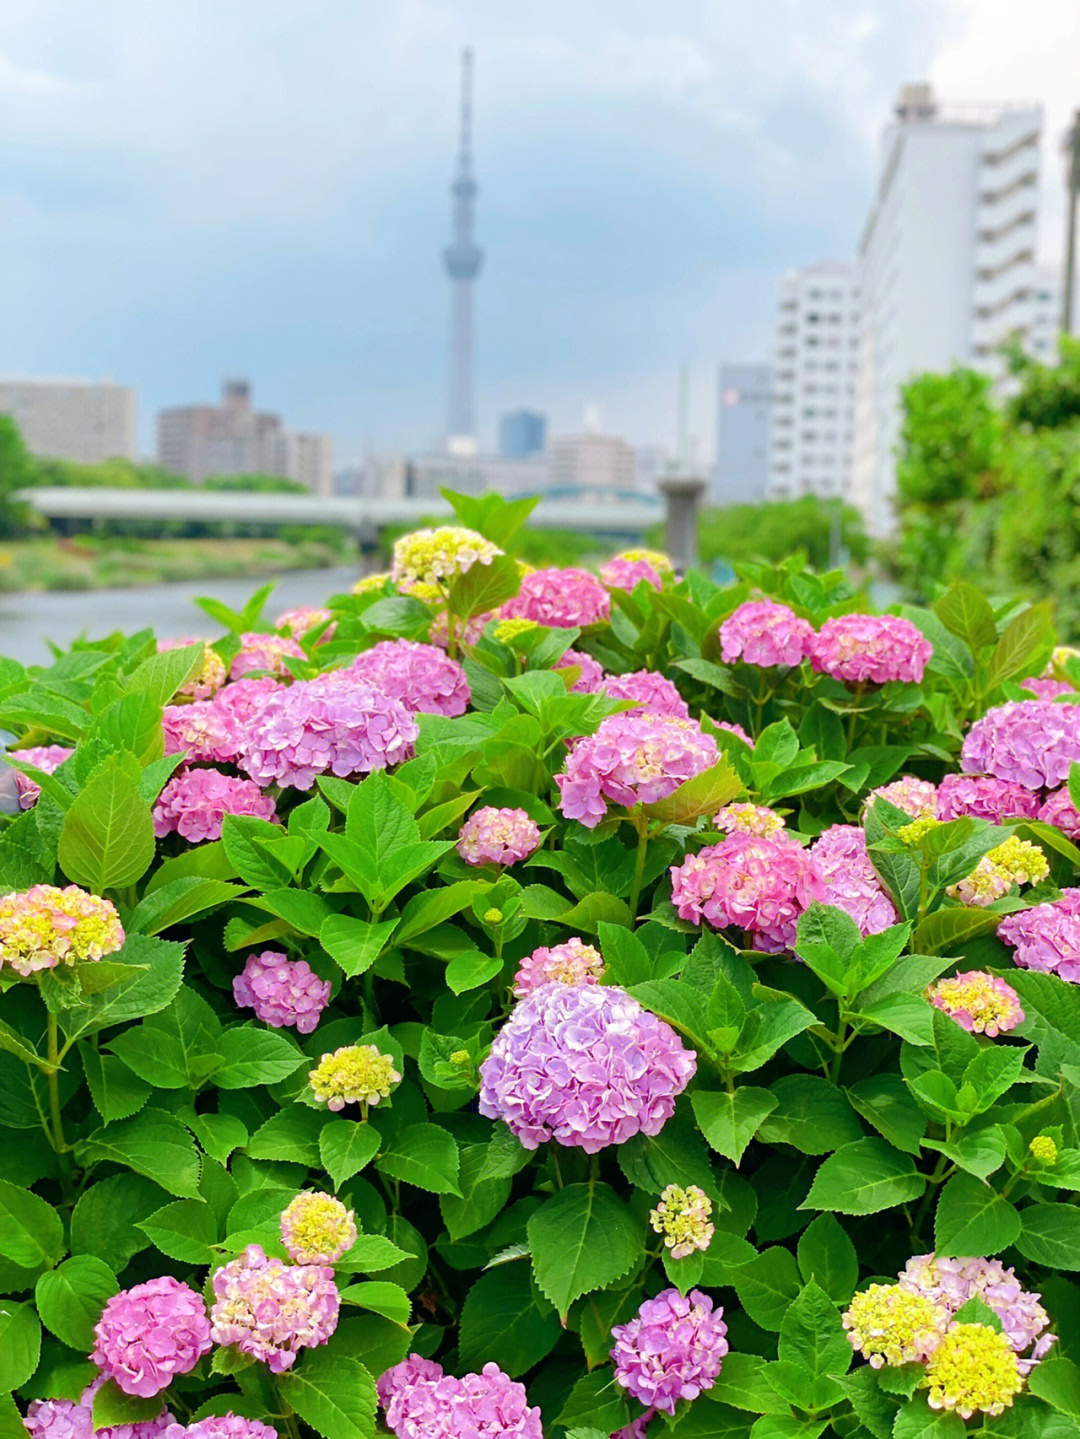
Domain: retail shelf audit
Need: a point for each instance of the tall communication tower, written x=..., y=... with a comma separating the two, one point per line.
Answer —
x=463, y=259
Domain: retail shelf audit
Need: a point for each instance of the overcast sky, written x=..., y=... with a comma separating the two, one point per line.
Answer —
x=190, y=188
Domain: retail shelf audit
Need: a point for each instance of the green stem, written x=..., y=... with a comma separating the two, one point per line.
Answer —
x=854, y=718
x=838, y=1055
x=639, y=864
x=53, y=1075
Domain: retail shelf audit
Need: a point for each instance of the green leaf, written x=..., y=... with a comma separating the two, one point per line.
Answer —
x=107, y=838
x=864, y=1178
x=112, y=1407
x=423, y=1155
x=184, y=1230
x=149, y=993
x=483, y=588
x=767, y=1286
x=116, y=1092
x=884, y=1101
x=676, y=1155
x=1025, y=642
x=71, y=1297
x=814, y=1347
x=1057, y=1382
x=292, y=1134
x=154, y=1144
x=333, y=1393
x=972, y=1218
x=355, y=943
x=980, y=1152
x=505, y=1315
x=811, y=1114
x=250, y=861
x=345, y=1146
x=743, y=1382
x=1050, y=1235
x=965, y=611
x=105, y=1219
x=30, y=1230
x=433, y=907
x=255, y=1056
x=180, y=900
x=582, y=1238
x=730, y=1121
x=369, y=1254
x=20, y=1344
x=781, y=1426
x=380, y=1297
x=827, y=1255
x=218, y=1134
x=14, y=1043
x=471, y=970
x=918, y=1421
x=162, y=674
x=703, y=794
x=177, y=1049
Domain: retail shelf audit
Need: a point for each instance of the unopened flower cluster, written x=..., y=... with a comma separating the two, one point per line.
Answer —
x=423, y=677
x=980, y=1003
x=760, y=884
x=420, y=1401
x=194, y=804
x=767, y=634
x=46, y=757
x=748, y=819
x=1013, y=862
x=283, y=992
x=682, y=1217
x=317, y=1229
x=561, y=598
x=353, y=1074
x=1047, y=936
x=672, y=1349
x=270, y=1309
x=631, y=759
x=497, y=836
x=573, y=962
x=436, y=556
x=44, y=926
x=584, y=1065
x=150, y=1333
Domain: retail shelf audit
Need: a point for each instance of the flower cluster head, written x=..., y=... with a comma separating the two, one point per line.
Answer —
x=984, y=797
x=221, y=1426
x=367, y=584
x=584, y=1065
x=1044, y=688
x=1043, y=1149
x=561, y=598
x=1013, y=862
x=888, y=1324
x=849, y=880
x=672, y=1349
x=213, y=730
x=497, y=836
x=150, y=1333
x=572, y=962
x=913, y=833
x=916, y=797
x=973, y=1371
x=194, y=804
x=353, y=1074
x=682, y=1217
x=621, y=573
x=592, y=675
x=421, y=1402
x=436, y=556
x=1059, y=810
x=631, y=759
x=423, y=677
x=264, y=652
x=1031, y=742
x=507, y=630
x=74, y=1419
x=749, y=819
x=44, y=926
x=871, y=649
x=759, y=883
x=282, y=991
x=304, y=618
x=317, y=1229
x=208, y=678
x=952, y=1282
x=980, y=1003
x=338, y=724
x=767, y=634
x=45, y=757
x=270, y=1309
x=655, y=693
x=1047, y=936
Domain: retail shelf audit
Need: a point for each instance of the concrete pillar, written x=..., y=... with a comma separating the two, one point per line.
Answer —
x=683, y=496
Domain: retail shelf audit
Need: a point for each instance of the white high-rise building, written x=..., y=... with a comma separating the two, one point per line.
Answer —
x=1046, y=315
x=599, y=467
x=815, y=362
x=84, y=420
x=947, y=265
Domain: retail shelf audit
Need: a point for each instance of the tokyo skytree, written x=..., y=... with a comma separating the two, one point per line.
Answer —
x=463, y=259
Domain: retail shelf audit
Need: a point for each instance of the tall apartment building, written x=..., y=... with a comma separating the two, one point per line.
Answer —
x=233, y=438
x=742, y=434
x=522, y=433
x=87, y=421
x=1046, y=315
x=946, y=264
x=596, y=466
x=815, y=363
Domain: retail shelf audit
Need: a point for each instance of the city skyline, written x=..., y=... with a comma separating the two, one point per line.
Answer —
x=645, y=186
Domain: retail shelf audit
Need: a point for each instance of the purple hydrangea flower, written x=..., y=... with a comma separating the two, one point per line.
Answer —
x=148, y=1334
x=631, y=759
x=281, y=991
x=561, y=598
x=73, y=1419
x=672, y=1349
x=1045, y=688
x=1030, y=742
x=584, y=1065
x=767, y=634
x=1058, y=809
x=272, y=1310
x=497, y=836
x=194, y=804
x=423, y=677
x=413, y=1369
x=758, y=883
x=850, y=881
x=46, y=757
x=984, y=797
x=871, y=649
x=653, y=692
x=222, y=1426
x=422, y=1402
x=591, y=678
x=1046, y=937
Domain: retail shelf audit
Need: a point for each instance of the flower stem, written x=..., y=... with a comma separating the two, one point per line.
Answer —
x=639, y=864
x=53, y=1076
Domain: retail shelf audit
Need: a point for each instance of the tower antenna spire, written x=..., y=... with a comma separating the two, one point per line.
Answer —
x=462, y=259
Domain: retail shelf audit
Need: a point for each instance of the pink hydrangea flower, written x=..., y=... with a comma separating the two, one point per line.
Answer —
x=264, y=652
x=194, y=804
x=764, y=633
x=572, y=962
x=952, y=1282
x=213, y=730
x=562, y=598
x=980, y=1003
x=74, y=1419
x=304, y=618
x=631, y=759
x=331, y=725
x=1030, y=742
x=761, y=884
x=584, y=1065
x=638, y=1429
x=272, y=1310
x=222, y=1426
x=849, y=879
x=1046, y=937
x=281, y=991
x=654, y=693
x=497, y=836
x=914, y=796
x=421, y=676
x=871, y=649
x=1047, y=689
x=623, y=574
x=466, y=634
x=424, y=1403
x=672, y=1349
x=984, y=797
x=737, y=730
x=150, y=1333
x=413, y=1369
x=44, y=926
x=1058, y=809
x=592, y=675
x=46, y=757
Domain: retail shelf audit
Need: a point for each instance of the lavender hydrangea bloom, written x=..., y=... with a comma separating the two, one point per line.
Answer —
x=631, y=759
x=871, y=649
x=758, y=883
x=1030, y=742
x=561, y=598
x=413, y=1369
x=281, y=991
x=952, y=1282
x=1058, y=809
x=73, y=1419
x=421, y=1402
x=584, y=1065
x=423, y=677
x=655, y=693
x=272, y=1310
x=767, y=634
x=984, y=797
x=333, y=725
x=222, y=1426
x=850, y=880
x=194, y=803
x=1047, y=688
x=1047, y=936
x=672, y=1349
x=45, y=757
x=592, y=675
x=148, y=1334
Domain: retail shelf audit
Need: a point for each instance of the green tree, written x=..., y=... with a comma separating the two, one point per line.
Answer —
x=949, y=440
x=1049, y=395
x=17, y=470
x=783, y=527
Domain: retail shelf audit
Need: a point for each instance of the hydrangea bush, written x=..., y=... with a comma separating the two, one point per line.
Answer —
x=555, y=1005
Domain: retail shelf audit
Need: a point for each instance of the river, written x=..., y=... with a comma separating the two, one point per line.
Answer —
x=28, y=620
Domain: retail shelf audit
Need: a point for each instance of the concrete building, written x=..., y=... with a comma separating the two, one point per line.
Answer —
x=946, y=264
x=591, y=465
x=83, y=420
x=742, y=434
x=1046, y=315
x=398, y=476
x=308, y=459
x=815, y=365
x=522, y=433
